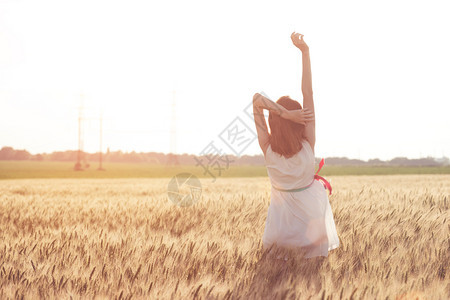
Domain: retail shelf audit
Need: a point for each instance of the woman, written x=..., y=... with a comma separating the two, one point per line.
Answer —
x=299, y=214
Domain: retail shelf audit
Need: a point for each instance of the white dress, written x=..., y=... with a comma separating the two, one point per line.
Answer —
x=298, y=219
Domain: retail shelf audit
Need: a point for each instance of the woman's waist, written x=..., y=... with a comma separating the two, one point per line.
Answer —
x=297, y=185
x=302, y=185
x=316, y=182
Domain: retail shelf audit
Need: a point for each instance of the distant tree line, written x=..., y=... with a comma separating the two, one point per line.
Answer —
x=9, y=153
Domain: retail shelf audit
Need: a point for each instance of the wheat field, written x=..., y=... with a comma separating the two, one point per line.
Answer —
x=123, y=239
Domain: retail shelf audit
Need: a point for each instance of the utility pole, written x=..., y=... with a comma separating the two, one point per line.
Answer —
x=81, y=158
x=78, y=166
x=100, y=168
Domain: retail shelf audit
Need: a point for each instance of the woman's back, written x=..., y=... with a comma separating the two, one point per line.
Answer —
x=293, y=172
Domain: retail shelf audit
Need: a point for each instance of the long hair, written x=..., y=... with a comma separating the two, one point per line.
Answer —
x=285, y=136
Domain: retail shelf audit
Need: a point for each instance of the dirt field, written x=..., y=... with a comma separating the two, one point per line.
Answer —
x=123, y=238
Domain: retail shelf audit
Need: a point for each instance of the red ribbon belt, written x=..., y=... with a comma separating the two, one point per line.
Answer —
x=325, y=182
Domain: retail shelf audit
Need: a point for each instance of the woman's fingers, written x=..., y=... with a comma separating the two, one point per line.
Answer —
x=294, y=38
x=307, y=112
x=297, y=35
x=308, y=116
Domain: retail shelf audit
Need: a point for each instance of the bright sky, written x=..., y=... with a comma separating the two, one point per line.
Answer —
x=381, y=73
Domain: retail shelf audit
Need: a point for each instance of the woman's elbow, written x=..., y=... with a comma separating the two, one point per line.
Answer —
x=256, y=97
x=257, y=100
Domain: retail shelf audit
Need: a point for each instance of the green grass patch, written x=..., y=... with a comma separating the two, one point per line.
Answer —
x=34, y=169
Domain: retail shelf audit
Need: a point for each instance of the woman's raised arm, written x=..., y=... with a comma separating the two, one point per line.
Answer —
x=308, y=102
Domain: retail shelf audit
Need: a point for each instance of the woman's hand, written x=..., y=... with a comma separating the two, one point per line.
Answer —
x=300, y=116
x=298, y=41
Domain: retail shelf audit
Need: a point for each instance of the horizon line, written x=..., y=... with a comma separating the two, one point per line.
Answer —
x=223, y=154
